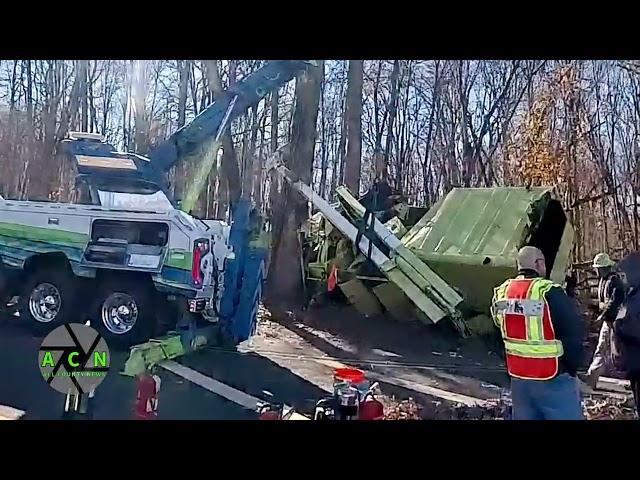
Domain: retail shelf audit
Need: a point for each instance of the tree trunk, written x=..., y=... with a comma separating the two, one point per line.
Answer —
x=285, y=280
x=392, y=109
x=141, y=124
x=274, y=195
x=249, y=174
x=181, y=169
x=183, y=79
x=29, y=92
x=343, y=137
x=323, y=142
x=230, y=171
x=83, y=95
x=259, y=165
x=354, y=127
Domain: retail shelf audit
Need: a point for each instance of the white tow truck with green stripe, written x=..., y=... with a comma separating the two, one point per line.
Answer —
x=126, y=260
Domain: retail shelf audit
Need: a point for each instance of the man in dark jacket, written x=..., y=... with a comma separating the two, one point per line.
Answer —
x=540, y=394
x=625, y=343
x=625, y=328
x=610, y=298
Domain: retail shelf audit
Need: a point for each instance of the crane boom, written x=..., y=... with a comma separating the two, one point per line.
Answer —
x=235, y=101
x=197, y=141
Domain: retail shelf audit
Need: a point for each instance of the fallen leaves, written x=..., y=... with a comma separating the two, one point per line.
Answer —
x=608, y=408
x=400, y=410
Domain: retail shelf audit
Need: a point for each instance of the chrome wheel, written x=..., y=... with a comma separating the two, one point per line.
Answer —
x=119, y=313
x=45, y=302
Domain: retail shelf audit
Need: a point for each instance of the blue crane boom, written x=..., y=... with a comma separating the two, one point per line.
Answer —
x=186, y=142
x=213, y=120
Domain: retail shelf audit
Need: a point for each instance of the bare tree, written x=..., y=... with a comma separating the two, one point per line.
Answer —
x=286, y=250
x=354, y=126
x=229, y=168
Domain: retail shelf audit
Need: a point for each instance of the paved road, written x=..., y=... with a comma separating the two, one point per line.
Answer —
x=22, y=386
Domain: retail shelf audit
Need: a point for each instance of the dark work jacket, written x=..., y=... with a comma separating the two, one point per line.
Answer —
x=377, y=198
x=568, y=325
x=625, y=339
x=611, y=294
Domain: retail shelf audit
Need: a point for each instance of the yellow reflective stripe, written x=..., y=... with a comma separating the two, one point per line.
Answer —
x=537, y=291
x=534, y=328
x=539, y=287
x=533, y=349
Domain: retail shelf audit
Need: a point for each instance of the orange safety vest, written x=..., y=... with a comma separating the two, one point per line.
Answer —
x=521, y=312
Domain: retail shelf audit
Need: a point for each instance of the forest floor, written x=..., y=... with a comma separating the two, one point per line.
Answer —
x=424, y=372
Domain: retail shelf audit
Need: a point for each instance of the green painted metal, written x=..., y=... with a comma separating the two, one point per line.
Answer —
x=430, y=293
x=471, y=238
x=361, y=298
x=46, y=235
x=147, y=355
x=448, y=263
x=563, y=257
x=476, y=221
x=181, y=259
x=143, y=357
x=397, y=227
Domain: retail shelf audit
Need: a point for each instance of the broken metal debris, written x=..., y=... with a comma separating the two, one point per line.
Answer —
x=608, y=408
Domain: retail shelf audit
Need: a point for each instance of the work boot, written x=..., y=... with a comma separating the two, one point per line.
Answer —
x=589, y=379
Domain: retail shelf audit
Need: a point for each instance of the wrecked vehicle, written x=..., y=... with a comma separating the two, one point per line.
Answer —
x=442, y=264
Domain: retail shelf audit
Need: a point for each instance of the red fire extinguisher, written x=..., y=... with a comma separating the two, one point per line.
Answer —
x=146, y=406
x=371, y=409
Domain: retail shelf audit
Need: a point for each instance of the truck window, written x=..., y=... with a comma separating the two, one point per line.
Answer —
x=135, y=201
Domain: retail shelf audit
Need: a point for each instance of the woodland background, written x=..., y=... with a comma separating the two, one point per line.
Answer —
x=440, y=124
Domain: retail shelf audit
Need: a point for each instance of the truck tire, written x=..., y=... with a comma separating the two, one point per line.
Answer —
x=48, y=300
x=123, y=311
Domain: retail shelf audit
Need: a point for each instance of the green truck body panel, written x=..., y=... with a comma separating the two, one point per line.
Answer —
x=433, y=296
x=464, y=246
x=179, y=259
x=471, y=238
x=19, y=242
x=475, y=222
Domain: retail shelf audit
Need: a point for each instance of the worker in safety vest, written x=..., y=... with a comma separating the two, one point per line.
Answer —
x=542, y=333
x=611, y=295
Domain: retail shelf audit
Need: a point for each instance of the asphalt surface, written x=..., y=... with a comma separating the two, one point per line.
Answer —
x=22, y=385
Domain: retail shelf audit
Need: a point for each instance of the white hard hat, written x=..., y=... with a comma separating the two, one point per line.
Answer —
x=602, y=260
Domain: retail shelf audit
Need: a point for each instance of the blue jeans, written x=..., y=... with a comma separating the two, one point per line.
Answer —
x=557, y=399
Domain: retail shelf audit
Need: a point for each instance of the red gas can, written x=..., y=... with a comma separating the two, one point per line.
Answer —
x=146, y=406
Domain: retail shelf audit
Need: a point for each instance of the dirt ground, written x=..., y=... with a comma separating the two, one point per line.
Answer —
x=425, y=372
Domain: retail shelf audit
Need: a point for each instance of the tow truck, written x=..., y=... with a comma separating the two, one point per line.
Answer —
x=122, y=255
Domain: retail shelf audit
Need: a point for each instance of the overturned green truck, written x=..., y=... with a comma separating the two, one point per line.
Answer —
x=440, y=264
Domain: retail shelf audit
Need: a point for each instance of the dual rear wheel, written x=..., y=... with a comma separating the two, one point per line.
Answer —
x=122, y=306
